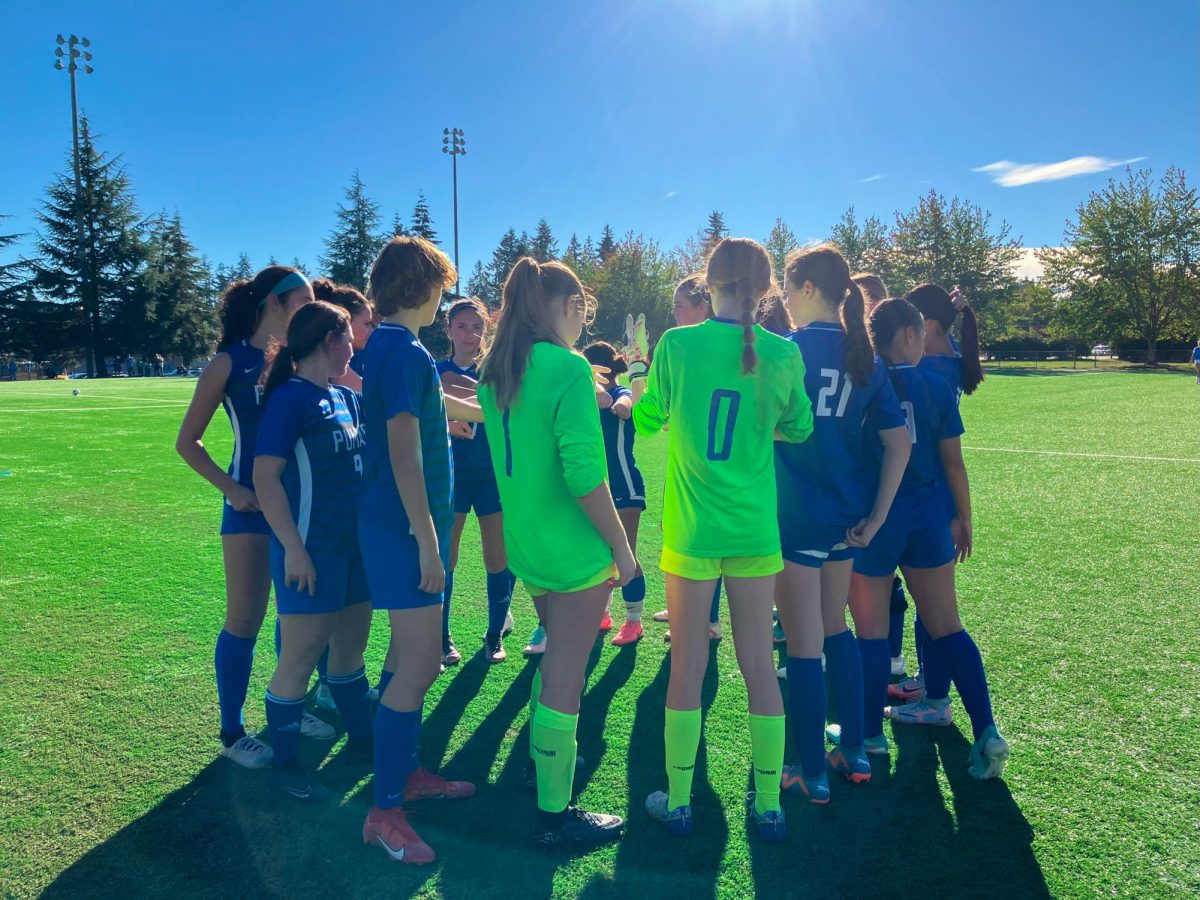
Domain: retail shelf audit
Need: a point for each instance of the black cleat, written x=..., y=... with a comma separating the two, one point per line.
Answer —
x=580, y=829
x=292, y=781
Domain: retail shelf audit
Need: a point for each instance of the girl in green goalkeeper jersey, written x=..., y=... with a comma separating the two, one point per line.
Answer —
x=728, y=388
x=562, y=533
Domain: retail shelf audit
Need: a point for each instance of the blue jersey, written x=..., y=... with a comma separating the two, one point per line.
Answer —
x=831, y=478
x=356, y=362
x=948, y=368
x=1196, y=355
x=472, y=458
x=624, y=479
x=931, y=415
x=243, y=404
x=318, y=430
x=402, y=378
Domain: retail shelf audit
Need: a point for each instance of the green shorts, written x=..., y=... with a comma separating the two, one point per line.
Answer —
x=699, y=568
x=608, y=573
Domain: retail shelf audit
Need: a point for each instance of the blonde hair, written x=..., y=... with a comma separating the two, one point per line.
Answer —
x=740, y=268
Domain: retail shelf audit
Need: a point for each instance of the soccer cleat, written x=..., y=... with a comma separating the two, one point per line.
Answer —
x=772, y=827
x=853, y=765
x=629, y=633
x=508, y=624
x=815, y=790
x=908, y=690
x=389, y=829
x=451, y=657
x=777, y=635
x=877, y=745
x=249, y=752
x=988, y=755
x=606, y=622
x=373, y=695
x=316, y=729
x=920, y=712
x=714, y=631
x=898, y=668
x=425, y=785
x=678, y=820
x=781, y=672
x=579, y=827
x=493, y=651
x=292, y=781
x=537, y=642
x=323, y=699
x=360, y=751
x=660, y=616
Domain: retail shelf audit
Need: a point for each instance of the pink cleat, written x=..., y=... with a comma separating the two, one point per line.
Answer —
x=629, y=633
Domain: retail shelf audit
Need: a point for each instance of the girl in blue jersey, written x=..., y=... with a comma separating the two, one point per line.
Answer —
x=362, y=324
x=834, y=495
x=475, y=488
x=625, y=480
x=404, y=526
x=925, y=540
x=254, y=313
x=307, y=476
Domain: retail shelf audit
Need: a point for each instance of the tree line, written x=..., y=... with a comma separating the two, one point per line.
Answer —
x=1128, y=268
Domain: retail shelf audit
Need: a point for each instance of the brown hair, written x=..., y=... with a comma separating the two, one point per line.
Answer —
x=602, y=353
x=525, y=319
x=243, y=303
x=306, y=332
x=348, y=298
x=405, y=272
x=828, y=272
x=934, y=302
x=773, y=314
x=696, y=291
x=872, y=287
x=889, y=317
x=740, y=268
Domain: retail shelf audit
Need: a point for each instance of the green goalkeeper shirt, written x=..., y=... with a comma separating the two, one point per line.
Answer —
x=548, y=450
x=720, y=491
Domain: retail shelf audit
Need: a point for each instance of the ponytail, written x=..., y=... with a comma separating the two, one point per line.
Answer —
x=860, y=357
x=934, y=303
x=972, y=369
x=826, y=269
x=740, y=269
x=307, y=330
x=749, y=356
x=283, y=367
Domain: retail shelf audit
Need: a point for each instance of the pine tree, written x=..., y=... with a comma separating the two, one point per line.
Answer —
x=355, y=240
x=608, y=244
x=422, y=221
x=480, y=285
x=545, y=247
x=574, y=252
x=99, y=272
x=242, y=268
x=11, y=284
x=715, y=230
x=868, y=248
x=398, y=229
x=180, y=319
x=504, y=257
x=779, y=243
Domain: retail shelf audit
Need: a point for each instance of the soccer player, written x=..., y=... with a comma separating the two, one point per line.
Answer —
x=727, y=387
x=404, y=527
x=624, y=478
x=362, y=324
x=834, y=494
x=921, y=537
x=1196, y=360
x=562, y=532
x=475, y=488
x=692, y=305
x=254, y=313
x=307, y=477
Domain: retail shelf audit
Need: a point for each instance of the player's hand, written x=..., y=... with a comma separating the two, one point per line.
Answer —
x=964, y=539
x=622, y=410
x=959, y=300
x=298, y=570
x=461, y=430
x=863, y=533
x=243, y=499
x=433, y=573
x=626, y=567
x=604, y=398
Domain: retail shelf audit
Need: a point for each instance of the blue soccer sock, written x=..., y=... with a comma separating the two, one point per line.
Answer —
x=933, y=665
x=278, y=639
x=895, y=634
x=714, y=613
x=350, y=693
x=323, y=666
x=966, y=665
x=446, y=594
x=877, y=670
x=232, y=661
x=283, y=723
x=499, y=596
x=806, y=705
x=844, y=666
x=396, y=736
x=634, y=596
x=385, y=678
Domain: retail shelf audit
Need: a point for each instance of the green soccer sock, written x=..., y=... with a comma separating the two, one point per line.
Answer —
x=767, y=734
x=681, y=734
x=535, y=692
x=552, y=742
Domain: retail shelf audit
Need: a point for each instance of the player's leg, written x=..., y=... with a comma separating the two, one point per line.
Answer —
x=570, y=632
x=870, y=599
x=844, y=665
x=634, y=593
x=303, y=638
x=499, y=579
x=714, y=614
x=347, y=674
x=798, y=598
x=898, y=607
x=450, y=653
x=537, y=640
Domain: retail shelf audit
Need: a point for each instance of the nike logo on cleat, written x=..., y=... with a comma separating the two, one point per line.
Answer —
x=396, y=854
x=301, y=794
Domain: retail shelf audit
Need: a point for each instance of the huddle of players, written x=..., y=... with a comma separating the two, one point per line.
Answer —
x=803, y=470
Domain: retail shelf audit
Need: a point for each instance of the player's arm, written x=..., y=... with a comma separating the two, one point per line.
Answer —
x=268, y=485
x=897, y=447
x=622, y=407
x=408, y=468
x=796, y=423
x=210, y=392
x=463, y=410
x=651, y=395
x=950, y=451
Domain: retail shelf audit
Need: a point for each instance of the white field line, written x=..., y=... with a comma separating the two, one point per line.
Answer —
x=79, y=409
x=65, y=394
x=1176, y=459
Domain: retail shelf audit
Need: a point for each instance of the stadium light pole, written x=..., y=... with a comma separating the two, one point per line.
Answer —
x=455, y=144
x=74, y=57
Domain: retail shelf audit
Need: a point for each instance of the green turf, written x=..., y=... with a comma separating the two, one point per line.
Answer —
x=1082, y=596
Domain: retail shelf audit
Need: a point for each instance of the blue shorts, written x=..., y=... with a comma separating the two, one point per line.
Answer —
x=480, y=493
x=393, y=566
x=815, y=545
x=911, y=548
x=234, y=522
x=341, y=582
x=627, y=493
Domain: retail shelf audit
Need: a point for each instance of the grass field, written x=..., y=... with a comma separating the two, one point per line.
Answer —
x=1083, y=595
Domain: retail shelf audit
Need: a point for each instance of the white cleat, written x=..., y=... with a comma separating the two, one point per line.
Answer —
x=316, y=729
x=250, y=752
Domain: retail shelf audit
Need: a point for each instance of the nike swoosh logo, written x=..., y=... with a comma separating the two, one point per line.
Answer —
x=249, y=370
x=396, y=854
x=395, y=796
x=301, y=795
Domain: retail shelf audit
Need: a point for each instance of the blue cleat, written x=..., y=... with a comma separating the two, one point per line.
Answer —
x=772, y=827
x=816, y=789
x=677, y=820
x=988, y=756
x=851, y=763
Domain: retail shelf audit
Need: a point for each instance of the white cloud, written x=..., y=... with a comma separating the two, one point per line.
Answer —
x=871, y=178
x=1011, y=174
x=671, y=194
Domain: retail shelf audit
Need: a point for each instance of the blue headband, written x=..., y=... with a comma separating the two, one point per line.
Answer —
x=289, y=282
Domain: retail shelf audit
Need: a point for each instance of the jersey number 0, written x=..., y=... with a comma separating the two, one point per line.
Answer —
x=730, y=401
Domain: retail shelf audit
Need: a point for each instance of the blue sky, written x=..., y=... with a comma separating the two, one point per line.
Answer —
x=249, y=118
